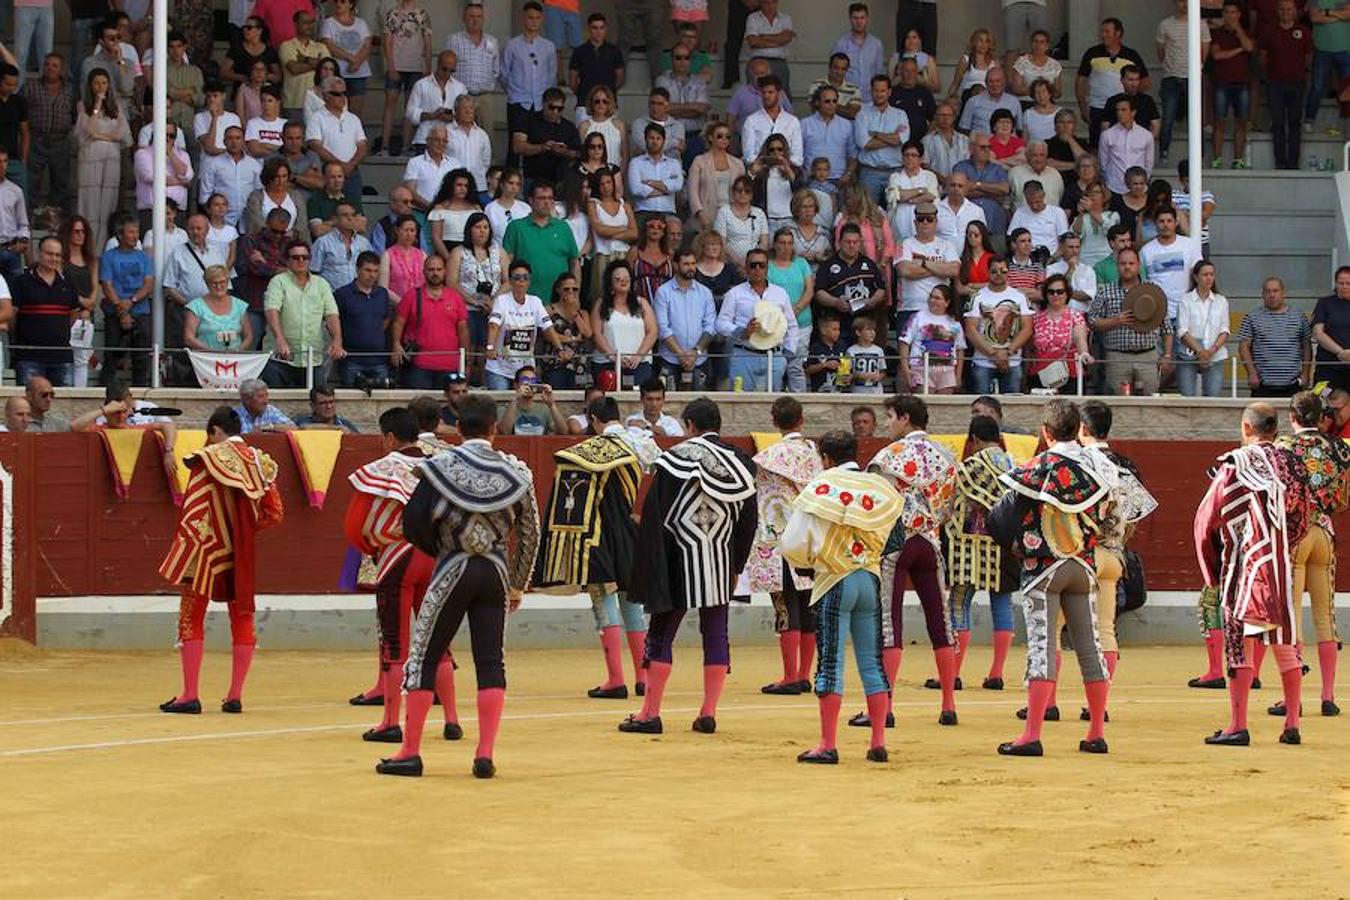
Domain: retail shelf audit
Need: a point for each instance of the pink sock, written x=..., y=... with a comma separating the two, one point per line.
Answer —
x=378, y=689
x=490, y=703
x=962, y=645
x=637, y=648
x=1214, y=650
x=1326, y=661
x=829, y=721
x=714, y=678
x=445, y=689
x=1096, y=697
x=419, y=705
x=1054, y=685
x=1291, y=678
x=807, y=656
x=1112, y=658
x=789, y=647
x=190, y=657
x=890, y=663
x=1002, y=642
x=1257, y=656
x=658, y=673
x=612, y=644
x=393, y=694
x=1239, y=691
x=946, y=666
x=242, y=659
x=877, y=706
x=1039, y=694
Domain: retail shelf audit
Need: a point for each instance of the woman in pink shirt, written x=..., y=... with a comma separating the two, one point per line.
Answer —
x=401, y=267
x=1058, y=334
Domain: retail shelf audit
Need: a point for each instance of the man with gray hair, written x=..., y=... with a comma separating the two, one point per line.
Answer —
x=1037, y=168
x=425, y=172
x=256, y=413
x=18, y=415
x=469, y=143
x=979, y=108
x=943, y=145
x=337, y=135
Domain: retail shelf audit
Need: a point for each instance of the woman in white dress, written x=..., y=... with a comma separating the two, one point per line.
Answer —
x=602, y=117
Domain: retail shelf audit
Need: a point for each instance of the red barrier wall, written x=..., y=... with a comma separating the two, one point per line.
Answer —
x=78, y=538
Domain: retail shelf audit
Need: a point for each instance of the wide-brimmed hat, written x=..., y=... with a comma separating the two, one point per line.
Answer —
x=772, y=326
x=1149, y=305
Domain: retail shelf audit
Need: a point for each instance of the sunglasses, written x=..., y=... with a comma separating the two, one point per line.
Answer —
x=680, y=57
x=925, y=218
x=1056, y=292
x=337, y=93
x=553, y=107
x=520, y=276
x=299, y=257
x=759, y=264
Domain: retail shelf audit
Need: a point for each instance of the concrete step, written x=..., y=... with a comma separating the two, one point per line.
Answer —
x=1284, y=227
x=1258, y=191
x=1306, y=271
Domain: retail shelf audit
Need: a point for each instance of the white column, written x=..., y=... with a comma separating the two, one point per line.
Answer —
x=160, y=22
x=1195, y=137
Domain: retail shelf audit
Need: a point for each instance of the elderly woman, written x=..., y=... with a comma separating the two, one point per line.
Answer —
x=276, y=192
x=1064, y=146
x=216, y=320
x=1059, y=340
x=1087, y=172
x=810, y=239
x=742, y=225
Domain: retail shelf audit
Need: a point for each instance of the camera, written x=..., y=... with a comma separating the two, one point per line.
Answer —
x=368, y=383
x=484, y=288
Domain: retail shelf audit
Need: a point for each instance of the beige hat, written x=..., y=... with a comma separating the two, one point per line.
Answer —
x=772, y=326
x=1149, y=305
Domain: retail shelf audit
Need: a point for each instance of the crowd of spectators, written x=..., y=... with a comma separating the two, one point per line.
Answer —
x=861, y=231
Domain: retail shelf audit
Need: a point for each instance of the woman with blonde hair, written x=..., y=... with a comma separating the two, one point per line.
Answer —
x=216, y=320
x=602, y=117
x=856, y=206
x=712, y=175
x=975, y=63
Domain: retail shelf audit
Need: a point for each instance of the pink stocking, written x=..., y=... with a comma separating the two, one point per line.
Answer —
x=1214, y=650
x=829, y=721
x=1239, y=691
x=807, y=656
x=789, y=646
x=946, y=666
x=1326, y=658
x=419, y=705
x=1291, y=678
x=612, y=644
x=637, y=648
x=490, y=703
x=190, y=657
x=877, y=706
x=1002, y=641
x=1096, y=697
x=1257, y=656
x=714, y=679
x=658, y=673
x=1112, y=658
x=1039, y=694
x=242, y=659
x=962, y=645
x=393, y=694
x=445, y=689
x=890, y=663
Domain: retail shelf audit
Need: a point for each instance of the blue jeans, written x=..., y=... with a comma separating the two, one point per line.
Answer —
x=1173, y=96
x=563, y=27
x=59, y=374
x=33, y=25
x=615, y=609
x=753, y=370
x=1000, y=608
x=82, y=39
x=11, y=263
x=983, y=379
x=372, y=367
x=875, y=181
x=1321, y=74
x=497, y=382
x=1193, y=381
x=259, y=321
x=852, y=608
x=419, y=379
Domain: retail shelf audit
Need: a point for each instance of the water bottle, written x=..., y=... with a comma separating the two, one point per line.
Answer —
x=739, y=384
x=1314, y=163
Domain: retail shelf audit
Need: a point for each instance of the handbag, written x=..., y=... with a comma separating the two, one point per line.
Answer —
x=1132, y=588
x=410, y=345
x=1055, y=375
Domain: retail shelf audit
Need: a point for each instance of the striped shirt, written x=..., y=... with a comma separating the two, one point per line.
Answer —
x=1025, y=276
x=42, y=317
x=479, y=65
x=1278, y=341
x=1110, y=299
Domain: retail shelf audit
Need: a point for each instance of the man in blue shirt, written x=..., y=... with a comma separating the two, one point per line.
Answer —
x=529, y=67
x=335, y=254
x=364, y=313
x=866, y=55
x=128, y=279
x=989, y=186
x=879, y=132
x=256, y=412
x=323, y=415
x=655, y=179
x=828, y=134
x=686, y=320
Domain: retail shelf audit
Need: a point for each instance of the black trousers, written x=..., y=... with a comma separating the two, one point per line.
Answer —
x=731, y=53
x=1276, y=390
x=920, y=16
x=478, y=594
x=138, y=335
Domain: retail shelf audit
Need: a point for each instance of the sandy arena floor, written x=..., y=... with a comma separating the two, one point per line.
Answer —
x=105, y=797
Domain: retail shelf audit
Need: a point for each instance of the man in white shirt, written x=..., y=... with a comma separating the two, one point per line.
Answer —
x=1037, y=168
x=737, y=322
x=233, y=174
x=658, y=113
x=772, y=119
x=424, y=173
x=469, y=143
x=653, y=416
x=1168, y=260
x=1045, y=222
x=926, y=260
x=209, y=125
x=955, y=212
x=1082, y=278
x=432, y=100
x=337, y=135
x=14, y=233
x=654, y=178
x=997, y=326
x=185, y=269
x=769, y=34
x=262, y=134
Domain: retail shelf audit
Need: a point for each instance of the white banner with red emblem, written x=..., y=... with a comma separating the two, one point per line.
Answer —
x=226, y=370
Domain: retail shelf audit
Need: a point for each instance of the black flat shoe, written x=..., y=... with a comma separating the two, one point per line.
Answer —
x=781, y=688
x=641, y=689
x=1051, y=714
x=804, y=687
x=641, y=726
x=823, y=758
x=1031, y=748
x=1290, y=736
x=604, y=693
x=1086, y=715
x=186, y=707
x=452, y=731
x=363, y=700
x=1096, y=745
x=1279, y=709
x=389, y=735
x=934, y=684
x=862, y=720
x=993, y=684
x=948, y=717
x=1256, y=684
x=878, y=755
x=1213, y=684
x=483, y=768
x=1236, y=739
x=409, y=768
x=1329, y=708
x=705, y=725
x=232, y=706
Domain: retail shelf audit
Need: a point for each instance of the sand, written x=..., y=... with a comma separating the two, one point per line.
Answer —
x=103, y=796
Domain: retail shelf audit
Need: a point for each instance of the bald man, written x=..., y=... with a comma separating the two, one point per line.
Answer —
x=39, y=393
x=18, y=416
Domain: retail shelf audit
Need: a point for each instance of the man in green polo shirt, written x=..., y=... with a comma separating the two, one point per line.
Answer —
x=323, y=203
x=545, y=241
x=299, y=306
